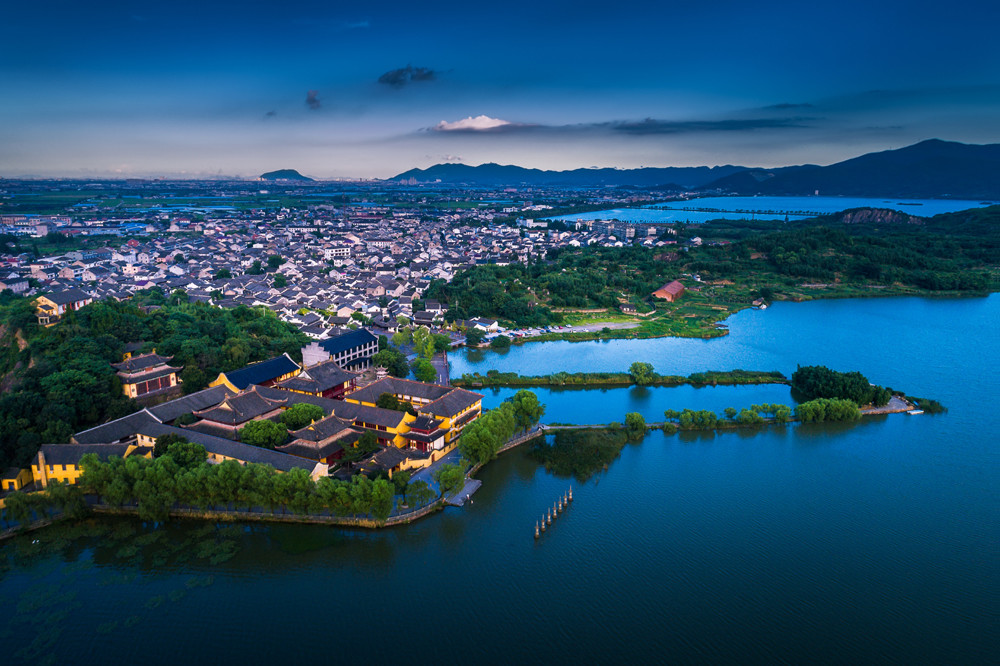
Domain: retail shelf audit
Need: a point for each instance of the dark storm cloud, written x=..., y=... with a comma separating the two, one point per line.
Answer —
x=312, y=100
x=398, y=78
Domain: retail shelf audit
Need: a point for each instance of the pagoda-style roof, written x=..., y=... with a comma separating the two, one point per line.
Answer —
x=258, y=373
x=452, y=403
x=324, y=429
x=141, y=362
x=320, y=377
x=400, y=387
x=425, y=423
x=240, y=408
x=146, y=375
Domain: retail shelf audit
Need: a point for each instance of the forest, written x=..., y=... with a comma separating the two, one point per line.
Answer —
x=953, y=253
x=58, y=380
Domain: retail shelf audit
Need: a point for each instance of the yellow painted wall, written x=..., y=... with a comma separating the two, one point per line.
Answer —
x=22, y=479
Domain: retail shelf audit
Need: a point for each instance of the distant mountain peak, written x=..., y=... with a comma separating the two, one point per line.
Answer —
x=283, y=174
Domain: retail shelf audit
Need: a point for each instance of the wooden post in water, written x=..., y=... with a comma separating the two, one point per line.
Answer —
x=555, y=511
x=536, y=529
x=560, y=505
x=549, y=518
x=571, y=493
x=543, y=523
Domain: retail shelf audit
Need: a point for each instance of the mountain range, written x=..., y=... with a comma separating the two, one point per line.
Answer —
x=929, y=169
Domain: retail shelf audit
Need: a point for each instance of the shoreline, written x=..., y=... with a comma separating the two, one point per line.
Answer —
x=718, y=327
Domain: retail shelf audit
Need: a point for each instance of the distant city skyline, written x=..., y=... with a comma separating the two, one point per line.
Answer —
x=222, y=89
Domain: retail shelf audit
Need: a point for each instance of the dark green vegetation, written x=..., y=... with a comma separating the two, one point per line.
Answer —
x=579, y=453
x=482, y=439
x=817, y=381
x=300, y=415
x=704, y=419
x=929, y=406
x=182, y=477
x=827, y=409
x=710, y=378
x=58, y=380
x=821, y=257
x=263, y=433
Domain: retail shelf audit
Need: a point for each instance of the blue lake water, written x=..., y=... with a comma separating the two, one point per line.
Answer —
x=770, y=208
x=870, y=543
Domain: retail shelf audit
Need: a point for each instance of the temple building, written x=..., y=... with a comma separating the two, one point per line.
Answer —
x=453, y=407
x=322, y=441
x=265, y=373
x=426, y=433
x=326, y=380
x=226, y=418
x=60, y=463
x=51, y=307
x=145, y=374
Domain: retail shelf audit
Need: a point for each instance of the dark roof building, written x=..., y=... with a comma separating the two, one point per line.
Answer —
x=352, y=350
x=265, y=373
x=326, y=379
x=145, y=374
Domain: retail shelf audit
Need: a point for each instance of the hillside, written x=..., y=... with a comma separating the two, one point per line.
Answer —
x=284, y=174
x=929, y=169
x=500, y=174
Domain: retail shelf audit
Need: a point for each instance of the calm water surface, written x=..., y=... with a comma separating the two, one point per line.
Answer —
x=770, y=208
x=875, y=542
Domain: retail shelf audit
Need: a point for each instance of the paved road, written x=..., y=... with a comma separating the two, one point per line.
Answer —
x=440, y=363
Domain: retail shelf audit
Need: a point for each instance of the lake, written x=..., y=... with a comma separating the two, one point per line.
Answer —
x=770, y=208
x=817, y=543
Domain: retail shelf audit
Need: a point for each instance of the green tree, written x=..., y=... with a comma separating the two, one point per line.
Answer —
x=419, y=493
x=641, y=373
x=528, y=410
x=635, y=426
x=163, y=442
x=280, y=281
x=402, y=337
x=423, y=370
x=473, y=337
x=392, y=360
x=223, y=274
x=255, y=268
x=450, y=478
x=500, y=343
x=263, y=433
x=273, y=262
x=388, y=401
x=300, y=415
x=383, y=494
x=730, y=413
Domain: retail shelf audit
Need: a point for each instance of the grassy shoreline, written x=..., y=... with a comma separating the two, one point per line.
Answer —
x=495, y=379
x=695, y=316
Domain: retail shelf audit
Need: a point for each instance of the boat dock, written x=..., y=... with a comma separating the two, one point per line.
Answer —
x=459, y=498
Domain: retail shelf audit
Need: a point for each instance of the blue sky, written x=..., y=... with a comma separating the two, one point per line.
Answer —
x=372, y=89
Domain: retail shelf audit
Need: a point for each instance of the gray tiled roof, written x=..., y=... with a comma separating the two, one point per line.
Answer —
x=230, y=449
x=114, y=431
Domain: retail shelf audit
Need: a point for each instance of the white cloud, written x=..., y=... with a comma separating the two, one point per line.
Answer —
x=470, y=124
